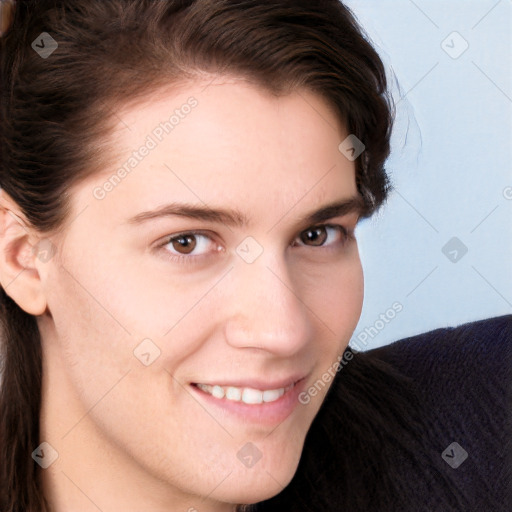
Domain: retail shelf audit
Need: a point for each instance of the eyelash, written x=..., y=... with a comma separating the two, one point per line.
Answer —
x=348, y=235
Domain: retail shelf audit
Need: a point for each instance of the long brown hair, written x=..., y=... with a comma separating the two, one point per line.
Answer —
x=56, y=113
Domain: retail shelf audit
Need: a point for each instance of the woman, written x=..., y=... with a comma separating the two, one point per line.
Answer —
x=181, y=181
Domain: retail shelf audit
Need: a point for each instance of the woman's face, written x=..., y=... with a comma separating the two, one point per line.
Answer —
x=239, y=283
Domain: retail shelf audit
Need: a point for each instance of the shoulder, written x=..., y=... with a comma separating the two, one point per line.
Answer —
x=463, y=376
x=378, y=441
x=456, y=369
x=450, y=352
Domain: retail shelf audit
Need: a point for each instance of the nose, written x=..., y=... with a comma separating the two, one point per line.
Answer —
x=266, y=310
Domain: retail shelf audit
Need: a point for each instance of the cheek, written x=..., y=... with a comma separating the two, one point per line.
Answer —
x=86, y=334
x=103, y=309
x=336, y=297
x=351, y=291
x=93, y=329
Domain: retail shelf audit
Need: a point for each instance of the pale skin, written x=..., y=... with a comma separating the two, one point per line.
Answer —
x=133, y=437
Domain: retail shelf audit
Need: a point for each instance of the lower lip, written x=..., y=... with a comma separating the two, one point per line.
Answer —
x=266, y=413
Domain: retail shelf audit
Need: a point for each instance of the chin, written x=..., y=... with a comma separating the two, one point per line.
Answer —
x=260, y=484
x=250, y=494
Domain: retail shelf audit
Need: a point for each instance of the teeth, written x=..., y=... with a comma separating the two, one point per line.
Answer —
x=272, y=394
x=245, y=395
x=234, y=394
x=252, y=396
x=205, y=388
x=218, y=392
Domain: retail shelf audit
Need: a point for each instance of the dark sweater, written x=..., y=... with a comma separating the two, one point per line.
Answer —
x=383, y=439
x=464, y=378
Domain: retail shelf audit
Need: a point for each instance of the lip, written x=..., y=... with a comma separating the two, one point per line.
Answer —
x=261, y=384
x=266, y=413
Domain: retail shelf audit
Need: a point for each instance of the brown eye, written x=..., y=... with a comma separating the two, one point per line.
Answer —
x=184, y=244
x=190, y=247
x=314, y=236
x=325, y=236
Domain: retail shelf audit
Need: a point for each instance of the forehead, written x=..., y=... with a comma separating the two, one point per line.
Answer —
x=227, y=142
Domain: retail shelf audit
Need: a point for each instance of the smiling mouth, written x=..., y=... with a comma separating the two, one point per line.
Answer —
x=250, y=396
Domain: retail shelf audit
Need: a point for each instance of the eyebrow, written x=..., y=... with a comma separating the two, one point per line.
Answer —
x=235, y=218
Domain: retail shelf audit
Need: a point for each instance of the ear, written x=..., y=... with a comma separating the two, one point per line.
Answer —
x=21, y=258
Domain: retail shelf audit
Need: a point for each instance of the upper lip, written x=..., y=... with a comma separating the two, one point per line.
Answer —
x=260, y=384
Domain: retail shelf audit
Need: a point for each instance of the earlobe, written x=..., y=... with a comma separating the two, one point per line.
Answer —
x=19, y=265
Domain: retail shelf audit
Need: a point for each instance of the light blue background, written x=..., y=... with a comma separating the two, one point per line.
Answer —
x=451, y=168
